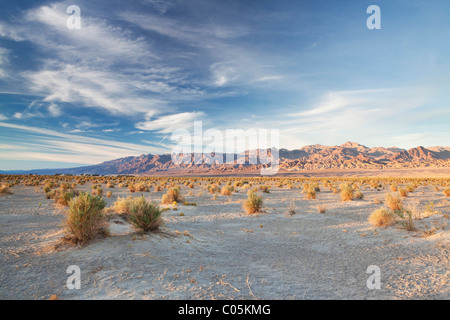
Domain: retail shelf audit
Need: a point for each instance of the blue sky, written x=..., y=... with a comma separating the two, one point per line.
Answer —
x=137, y=70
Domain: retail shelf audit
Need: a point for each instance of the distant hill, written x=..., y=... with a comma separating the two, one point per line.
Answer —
x=349, y=155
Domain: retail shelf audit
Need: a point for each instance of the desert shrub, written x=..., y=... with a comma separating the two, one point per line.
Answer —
x=403, y=192
x=265, y=188
x=394, y=188
x=145, y=216
x=382, y=218
x=358, y=195
x=405, y=219
x=321, y=208
x=447, y=192
x=141, y=187
x=347, y=192
x=109, y=194
x=394, y=203
x=226, y=190
x=97, y=190
x=253, y=203
x=65, y=186
x=310, y=193
x=85, y=219
x=63, y=197
x=123, y=205
x=173, y=194
x=306, y=186
x=213, y=188
x=5, y=190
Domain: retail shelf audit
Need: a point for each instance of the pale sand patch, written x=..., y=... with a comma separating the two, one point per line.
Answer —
x=210, y=253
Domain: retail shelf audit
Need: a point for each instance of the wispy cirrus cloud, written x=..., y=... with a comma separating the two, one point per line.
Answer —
x=169, y=123
x=63, y=147
x=108, y=72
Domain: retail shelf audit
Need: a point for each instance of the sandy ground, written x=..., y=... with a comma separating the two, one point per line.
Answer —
x=216, y=251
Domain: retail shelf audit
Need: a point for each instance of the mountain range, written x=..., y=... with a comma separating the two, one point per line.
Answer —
x=349, y=155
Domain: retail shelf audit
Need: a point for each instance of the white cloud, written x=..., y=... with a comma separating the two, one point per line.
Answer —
x=167, y=124
x=100, y=65
x=54, y=110
x=71, y=148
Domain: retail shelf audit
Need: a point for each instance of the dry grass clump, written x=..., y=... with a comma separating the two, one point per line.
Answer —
x=5, y=190
x=213, y=188
x=141, y=187
x=347, y=192
x=61, y=196
x=447, y=192
x=310, y=193
x=358, y=195
x=85, y=218
x=405, y=219
x=97, y=190
x=145, y=216
x=265, y=189
x=397, y=214
x=132, y=188
x=321, y=208
x=429, y=210
x=382, y=217
x=394, y=188
x=123, y=205
x=394, y=203
x=173, y=194
x=226, y=190
x=403, y=192
x=253, y=203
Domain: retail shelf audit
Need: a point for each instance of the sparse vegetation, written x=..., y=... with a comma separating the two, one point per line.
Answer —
x=173, y=194
x=321, y=208
x=226, y=190
x=447, y=192
x=394, y=203
x=310, y=193
x=85, y=219
x=145, y=216
x=347, y=192
x=382, y=217
x=4, y=190
x=405, y=219
x=403, y=192
x=253, y=203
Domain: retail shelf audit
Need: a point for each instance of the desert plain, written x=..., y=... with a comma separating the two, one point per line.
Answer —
x=210, y=248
